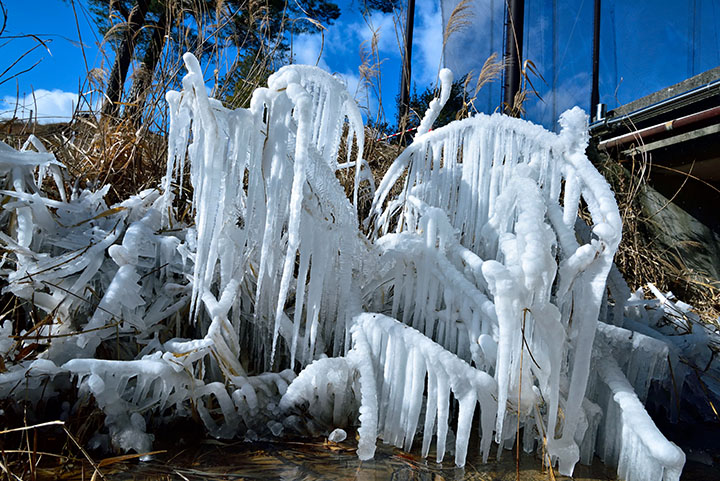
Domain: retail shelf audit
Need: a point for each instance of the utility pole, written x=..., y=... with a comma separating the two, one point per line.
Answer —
x=554, y=79
x=513, y=51
x=595, y=109
x=405, y=76
x=491, y=18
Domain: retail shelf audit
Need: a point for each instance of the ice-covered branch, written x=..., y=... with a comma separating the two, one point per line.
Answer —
x=400, y=360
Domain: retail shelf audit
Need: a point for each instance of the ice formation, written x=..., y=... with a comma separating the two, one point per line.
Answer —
x=394, y=361
x=258, y=303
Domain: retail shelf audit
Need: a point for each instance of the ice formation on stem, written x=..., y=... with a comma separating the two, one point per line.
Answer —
x=286, y=147
x=512, y=191
x=395, y=363
x=267, y=311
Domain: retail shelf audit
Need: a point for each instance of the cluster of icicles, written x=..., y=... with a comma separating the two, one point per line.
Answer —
x=477, y=293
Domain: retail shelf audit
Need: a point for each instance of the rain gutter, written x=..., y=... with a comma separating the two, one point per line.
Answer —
x=610, y=124
x=661, y=128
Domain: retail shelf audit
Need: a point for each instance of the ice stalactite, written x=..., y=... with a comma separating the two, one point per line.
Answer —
x=333, y=110
x=286, y=147
x=131, y=393
x=223, y=144
x=394, y=363
x=433, y=294
x=641, y=358
x=488, y=291
x=325, y=390
x=512, y=190
x=520, y=285
x=627, y=437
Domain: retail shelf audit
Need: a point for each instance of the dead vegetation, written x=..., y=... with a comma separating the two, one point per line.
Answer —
x=98, y=153
x=641, y=258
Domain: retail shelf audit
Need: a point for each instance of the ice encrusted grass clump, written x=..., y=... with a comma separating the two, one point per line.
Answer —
x=477, y=293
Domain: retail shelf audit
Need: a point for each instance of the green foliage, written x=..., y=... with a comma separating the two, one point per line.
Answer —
x=250, y=72
x=257, y=29
x=385, y=6
x=246, y=16
x=264, y=42
x=256, y=32
x=107, y=14
x=320, y=10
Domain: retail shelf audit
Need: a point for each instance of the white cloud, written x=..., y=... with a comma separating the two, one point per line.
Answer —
x=569, y=92
x=428, y=40
x=469, y=47
x=341, y=55
x=47, y=106
x=384, y=26
x=309, y=50
x=359, y=89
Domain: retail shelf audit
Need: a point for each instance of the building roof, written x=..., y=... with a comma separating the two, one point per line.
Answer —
x=692, y=95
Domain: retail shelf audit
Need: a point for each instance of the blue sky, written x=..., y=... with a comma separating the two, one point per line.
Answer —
x=646, y=45
x=60, y=73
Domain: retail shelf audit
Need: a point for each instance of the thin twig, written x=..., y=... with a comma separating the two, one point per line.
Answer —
x=82, y=450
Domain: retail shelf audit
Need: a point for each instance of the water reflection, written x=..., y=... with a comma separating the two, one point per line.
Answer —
x=329, y=461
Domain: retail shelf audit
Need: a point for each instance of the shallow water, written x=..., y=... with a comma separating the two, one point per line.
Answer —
x=213, y=460
x=188, y=455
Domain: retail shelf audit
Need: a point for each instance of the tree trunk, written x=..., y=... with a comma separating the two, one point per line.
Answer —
x=122, y=59
x=143, y=77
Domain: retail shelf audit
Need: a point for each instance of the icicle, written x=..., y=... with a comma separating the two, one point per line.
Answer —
x=301, y=111
x=631, y=439
x=332, y=106
x=322, y=389
x=468, y=384
x=361, y=356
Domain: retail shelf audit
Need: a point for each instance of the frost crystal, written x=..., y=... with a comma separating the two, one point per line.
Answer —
x=478, y=290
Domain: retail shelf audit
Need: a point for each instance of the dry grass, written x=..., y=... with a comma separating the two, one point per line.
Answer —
x=527, y=89
x=36, y=448
x=460, y=18
x=640, y=258
x=379, y=156
x=491, y=70
x=97, y=153
x=118, y=155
